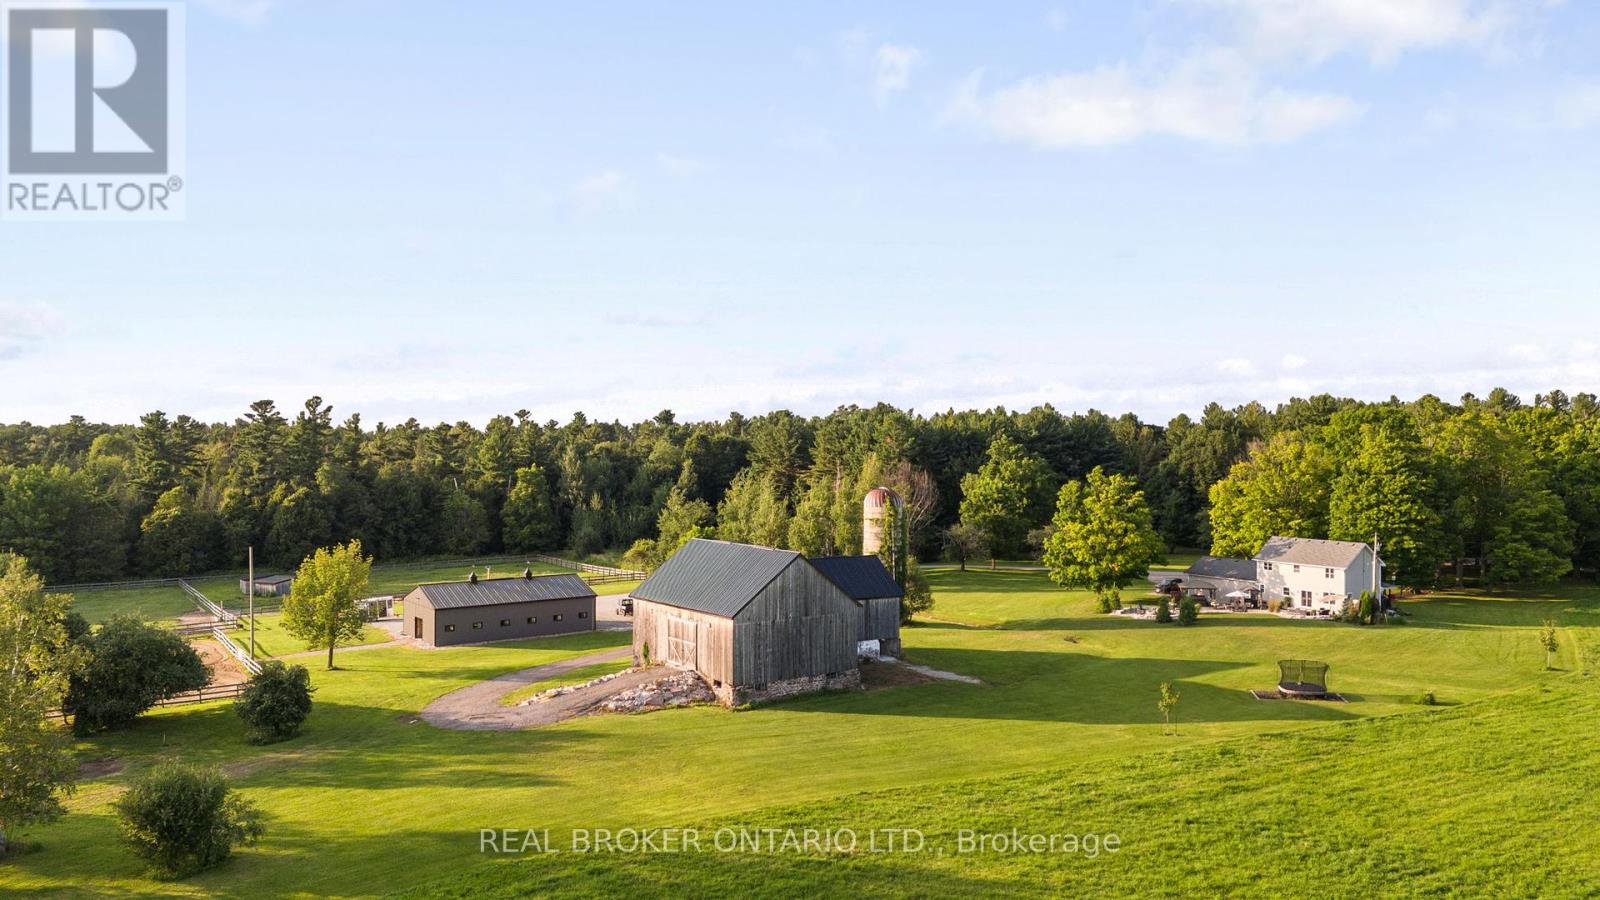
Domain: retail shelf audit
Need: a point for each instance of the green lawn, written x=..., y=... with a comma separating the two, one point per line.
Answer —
x=579, y=675
x=272, y=640
x=369, y=800
x=157, y=603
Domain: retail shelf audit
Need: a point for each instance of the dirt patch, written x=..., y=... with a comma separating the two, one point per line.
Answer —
x=99, y=768
x=270, y=761
x=876, y=675
x=225, y=669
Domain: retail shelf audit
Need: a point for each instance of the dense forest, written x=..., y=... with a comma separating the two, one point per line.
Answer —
x=1496, y=487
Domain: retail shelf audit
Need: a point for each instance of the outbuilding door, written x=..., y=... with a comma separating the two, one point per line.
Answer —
x=416, y=627
x=682, y=640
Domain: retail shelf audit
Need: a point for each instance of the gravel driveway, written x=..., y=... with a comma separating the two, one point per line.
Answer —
x=477, y=707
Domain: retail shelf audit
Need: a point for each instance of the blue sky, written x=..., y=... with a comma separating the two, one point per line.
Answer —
x=454, y=210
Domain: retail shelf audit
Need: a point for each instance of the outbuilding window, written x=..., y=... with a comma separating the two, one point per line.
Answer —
x=533, y=620
x=556, y=617
x=477, y=626
x=449, y=628
x=505, y=623
x=583, y=615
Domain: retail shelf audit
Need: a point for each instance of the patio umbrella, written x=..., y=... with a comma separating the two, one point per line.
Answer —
x=1237, y=595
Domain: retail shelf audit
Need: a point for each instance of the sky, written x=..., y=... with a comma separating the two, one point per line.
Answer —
x=452, y=211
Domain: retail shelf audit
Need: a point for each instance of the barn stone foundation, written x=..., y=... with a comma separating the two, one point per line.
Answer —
x=839, y=681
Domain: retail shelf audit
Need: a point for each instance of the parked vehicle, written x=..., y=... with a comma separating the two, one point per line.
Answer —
x=625, y=606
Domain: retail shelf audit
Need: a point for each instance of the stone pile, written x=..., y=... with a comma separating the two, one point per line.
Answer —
x=553, y=693
x=672, y=689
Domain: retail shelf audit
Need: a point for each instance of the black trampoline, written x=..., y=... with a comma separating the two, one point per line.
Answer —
x=1302, y=678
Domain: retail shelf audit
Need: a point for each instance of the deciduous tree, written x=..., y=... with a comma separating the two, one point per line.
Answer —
x=322, y=607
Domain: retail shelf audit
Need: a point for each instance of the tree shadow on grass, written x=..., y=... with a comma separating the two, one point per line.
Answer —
x=1072, y=687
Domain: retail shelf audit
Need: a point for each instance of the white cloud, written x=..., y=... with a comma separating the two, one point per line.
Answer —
x=1528, y=353
x=1213, y=97
x=248, y=12
x=893, y=64
x=1237, y=366
x=601, y=191
x=24, y=325
x=1292, y=362
x=680, y=166
x=1381, y=30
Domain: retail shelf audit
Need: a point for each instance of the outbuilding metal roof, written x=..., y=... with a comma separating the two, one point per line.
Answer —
x=1224, y=567
x=500, y=591
x=1311, y=552
x=862, y=577
x=716, y=577
x=273, y=579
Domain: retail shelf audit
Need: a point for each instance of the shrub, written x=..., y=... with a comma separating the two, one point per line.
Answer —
x=1110, y=603
x=275, y=702
x=1163, y=611
x=1188, y=611
x=1428, y=699
x=1274, y=604
x=182, y=819
x=1367, y=612
x=131, y=665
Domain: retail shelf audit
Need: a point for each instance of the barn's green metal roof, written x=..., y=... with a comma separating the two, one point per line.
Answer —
x=716, y=577
x=499, y=591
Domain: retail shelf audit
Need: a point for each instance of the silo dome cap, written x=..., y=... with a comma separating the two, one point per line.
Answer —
x=878, y=497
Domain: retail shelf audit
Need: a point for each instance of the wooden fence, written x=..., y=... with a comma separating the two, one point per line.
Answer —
x=604, y=573
x=237, y=651
x=210, y=692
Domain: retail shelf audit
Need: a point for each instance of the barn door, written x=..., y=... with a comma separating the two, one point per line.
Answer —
x=682, y=638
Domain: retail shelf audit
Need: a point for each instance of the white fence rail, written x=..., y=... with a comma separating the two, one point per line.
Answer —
x=237, y=651
x=207, y=604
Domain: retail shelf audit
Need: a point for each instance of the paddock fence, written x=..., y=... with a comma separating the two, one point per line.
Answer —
x=235, y=650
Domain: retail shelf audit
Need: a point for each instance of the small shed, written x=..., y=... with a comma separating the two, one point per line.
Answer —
x=868, y=582
x=268, y=585
x=446, y=613
x=754, y=622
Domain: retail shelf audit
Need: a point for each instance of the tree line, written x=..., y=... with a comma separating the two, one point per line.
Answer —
x=1509, y=487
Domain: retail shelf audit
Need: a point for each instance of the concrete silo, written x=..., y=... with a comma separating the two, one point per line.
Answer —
x=875, y=509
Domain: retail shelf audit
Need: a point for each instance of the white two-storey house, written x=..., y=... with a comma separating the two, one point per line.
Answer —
x=1310, y=574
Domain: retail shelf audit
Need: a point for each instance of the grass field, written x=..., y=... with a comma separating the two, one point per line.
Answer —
x=272, y=640
x=579, y=675
x=169, y=602
x=368, y=800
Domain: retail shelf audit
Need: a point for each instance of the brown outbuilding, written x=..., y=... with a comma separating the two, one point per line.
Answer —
x=446, y=613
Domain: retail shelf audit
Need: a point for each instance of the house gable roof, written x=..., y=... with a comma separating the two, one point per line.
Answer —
x=716, y=577
x=500, y=591
x=1223, y=567
x=862, y=577
x=1311, y=552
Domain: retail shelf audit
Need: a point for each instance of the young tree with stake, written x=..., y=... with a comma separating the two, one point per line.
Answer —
x=1547, y=640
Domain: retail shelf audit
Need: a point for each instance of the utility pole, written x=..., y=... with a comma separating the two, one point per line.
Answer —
x=250, y=588
x=1377, y=573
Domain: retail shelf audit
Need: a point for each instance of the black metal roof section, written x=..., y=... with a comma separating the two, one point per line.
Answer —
x=862, y=577
x=715, y=577
x=1224, y=567
x=500, y=591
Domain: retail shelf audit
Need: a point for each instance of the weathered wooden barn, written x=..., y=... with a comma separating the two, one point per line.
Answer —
x=867, y=581
x=756, y=623
x=496, y=609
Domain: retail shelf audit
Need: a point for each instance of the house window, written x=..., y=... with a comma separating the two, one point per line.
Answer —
x=556, y=617
x=1297, y=570
x=583, y=615
x=477, y=626
x=533, y=620
x=1327, y=573
x=1288, y=595
x=505, y=623
x=1305, y=597
x=449, y=628
x=1267, y=566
